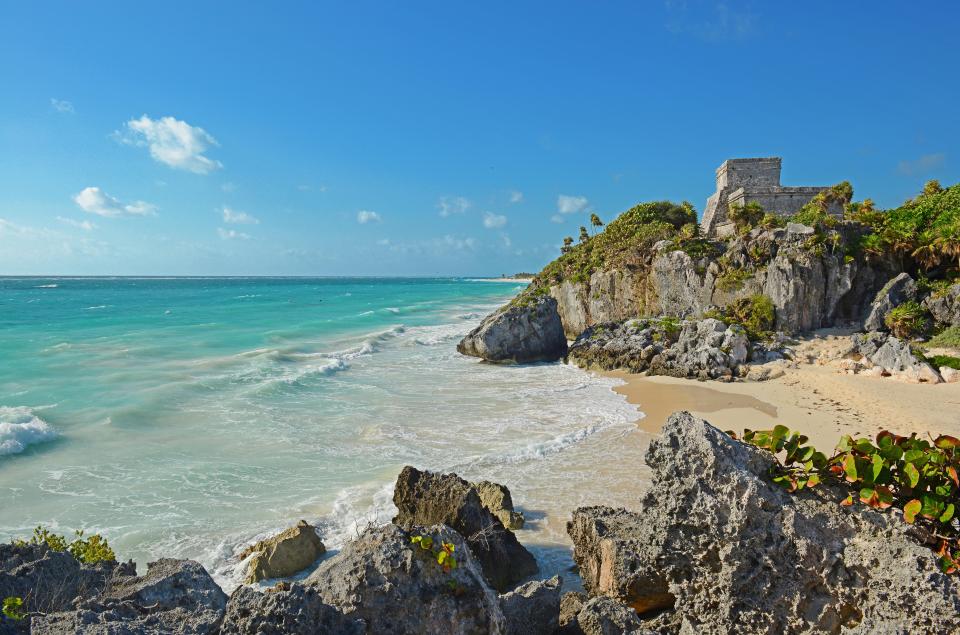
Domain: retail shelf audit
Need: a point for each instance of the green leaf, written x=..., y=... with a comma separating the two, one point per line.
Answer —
x=876, y=467
x=931, y=507
x=912, y=473
x=845, y=443
x=850, y=468
x=947, y=513
x=864, y=446
x=946, y=442
x=911, y=509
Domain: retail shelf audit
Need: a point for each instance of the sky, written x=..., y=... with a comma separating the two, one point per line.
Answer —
x=436, y=138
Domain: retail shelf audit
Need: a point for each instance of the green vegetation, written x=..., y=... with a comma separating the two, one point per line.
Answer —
x=13, y=608
x=914, y=475
x=87, y=550
x=907, y=320
x=939, y=361
x=756, y=314
x=745, y=217
x=948, y=338
x=733, y=279
x=817, y=214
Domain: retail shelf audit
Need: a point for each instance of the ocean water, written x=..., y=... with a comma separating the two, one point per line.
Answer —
x=189, y=417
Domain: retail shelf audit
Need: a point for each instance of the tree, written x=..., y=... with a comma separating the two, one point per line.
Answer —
x=584, y=236
x=567, y=245
x=595, y=221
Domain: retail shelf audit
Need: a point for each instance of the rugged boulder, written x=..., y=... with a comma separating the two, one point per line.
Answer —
x=739, y=554
x=395, y=586
x=428, y=498
x=295, y=609
x=703, y=349
x=892, y=356
x=175, y=596
x=897, y=291
x=285, y=554
x=944, y=305
x=496, y=498
x=533, y=608
x=526, y=330
x=602, y=615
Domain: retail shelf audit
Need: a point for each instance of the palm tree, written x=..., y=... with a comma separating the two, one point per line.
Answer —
x=595, y=221
x=584, y=236
x=567, y=245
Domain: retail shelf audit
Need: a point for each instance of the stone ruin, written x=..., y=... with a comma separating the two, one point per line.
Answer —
x=742, y=181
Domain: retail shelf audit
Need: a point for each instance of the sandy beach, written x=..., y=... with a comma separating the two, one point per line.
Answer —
x=814, y=399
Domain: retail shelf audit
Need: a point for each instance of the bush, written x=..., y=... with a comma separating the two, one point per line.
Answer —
x=745, y=217
x=87, y=550
x=948, y=338
x=13, y=608
x=914, y=475
x=939, y=361
x=756, y=314
x=732, y=279
x=907, y=320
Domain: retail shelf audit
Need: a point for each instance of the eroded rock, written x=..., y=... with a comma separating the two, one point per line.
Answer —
x=496, y=498
x=285, y=554
x=944, y=306
x=526, y=330
x=428, y=498
x=893, y=356
x=533, y=608
x=897, y=291
x=295, y=609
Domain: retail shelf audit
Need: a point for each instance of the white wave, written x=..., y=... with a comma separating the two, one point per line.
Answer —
x=392, y=309
x=366, y=313
x=20, y=427
x=45, y=286
x=94, y=308
x=244, y=297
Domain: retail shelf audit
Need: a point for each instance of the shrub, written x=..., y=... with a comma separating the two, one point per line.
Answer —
x=907, y=320
x=87, y=550
x=732, y=279
x=914, y=475
x=756, y=314
x=13, y=608
x=939, y=361
x=948, y=338
x=745, y=217
x=443, y=554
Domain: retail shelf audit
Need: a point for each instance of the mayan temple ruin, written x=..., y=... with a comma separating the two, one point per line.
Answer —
x=743, y=181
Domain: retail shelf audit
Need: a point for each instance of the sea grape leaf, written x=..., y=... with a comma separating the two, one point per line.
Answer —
x=911, y=509
x=912, y=473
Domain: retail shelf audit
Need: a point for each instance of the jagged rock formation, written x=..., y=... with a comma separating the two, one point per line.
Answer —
x=810, y=286
x=892, y=356
x=496, y=498
x=704, y=349
x=533, y=608
x=174, y=596
x=736, y=553
x=527, y=330
x=898, y=290
x=945, y=306
x=428, y=498
x=296, y=609
x=282, y=555
x=394, y=586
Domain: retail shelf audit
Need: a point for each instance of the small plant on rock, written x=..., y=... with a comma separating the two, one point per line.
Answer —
x=13, y=608
x=442, y=554
x=907, y=320
x=90, y=550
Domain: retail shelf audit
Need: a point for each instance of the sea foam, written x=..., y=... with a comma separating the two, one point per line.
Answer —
x=20, y=427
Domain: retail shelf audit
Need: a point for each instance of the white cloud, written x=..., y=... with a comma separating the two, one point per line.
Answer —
x=516, y=196
x=173, y=142
x=228, y=187
x=923, y=165
x=231, y=234
x=61, y=105
x=572, y=204
x=556, y=218
x=364, y=217
x=238, y=218
x=494, y=221
x=93, y=200
x=85, y=225
x=449, y=205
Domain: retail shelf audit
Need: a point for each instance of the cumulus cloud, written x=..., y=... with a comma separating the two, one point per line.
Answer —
x=449, y=205
x=238, y=218
x=516, y=196
x=231, y=234
x=61, y=105
x=494, y=221
x=572, y=204
x=923, y=165
x=173, y=142
x=93, y=200
x=85, y=225
x=364, y=217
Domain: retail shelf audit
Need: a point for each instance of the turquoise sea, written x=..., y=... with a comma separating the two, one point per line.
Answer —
x=189, y=416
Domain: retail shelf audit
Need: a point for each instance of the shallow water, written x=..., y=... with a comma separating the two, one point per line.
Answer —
x=187, y=417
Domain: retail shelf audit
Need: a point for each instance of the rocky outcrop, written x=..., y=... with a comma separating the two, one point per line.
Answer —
x=526, y=330
x=891, y=356
x=285, y=554
x=944, y=306
x=812, y=284
x=534, y=608
x=603, y=615
x=174, y=596
x=739, y=554
x=394, y=586
x=295, y=609
x=427, y=498
x=899, y=290
x=496, y=498
x=704, y=349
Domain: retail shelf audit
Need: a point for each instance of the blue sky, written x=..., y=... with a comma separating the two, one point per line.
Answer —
x=436, y=138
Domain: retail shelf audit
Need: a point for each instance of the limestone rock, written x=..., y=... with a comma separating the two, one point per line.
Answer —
x=427, y=498
x=397, y=587
x=950, y=375
x=945, y=306
x=527, y=330
x=285, y=554
x=766, y=372
x=740, y=554
x=295, y=610
x=175, y=596
x=897, y=291
x=496, y=498
x=894, y=356
x=603, y=615
x=533, y=608
x=570, y=605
